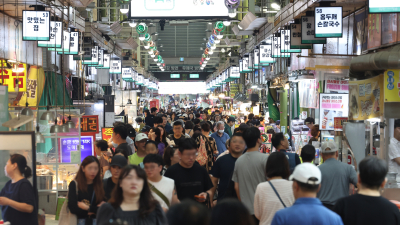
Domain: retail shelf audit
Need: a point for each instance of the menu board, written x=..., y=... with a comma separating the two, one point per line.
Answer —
x=331, y=106
x=90, y=123
x=392, y=86
x=69, y=146
x=365, y=98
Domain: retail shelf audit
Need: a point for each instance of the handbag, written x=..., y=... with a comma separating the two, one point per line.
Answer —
x=66, y=217
x=277, y=194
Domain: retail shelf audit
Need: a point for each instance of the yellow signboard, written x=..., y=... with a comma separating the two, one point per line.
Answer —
x=365, y=98
x=392, y=86
x=13, y=79
x=35, y=78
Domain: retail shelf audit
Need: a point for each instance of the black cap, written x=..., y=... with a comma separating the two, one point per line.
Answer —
x=131, y=132
x=231, y=119
x=119, y=160
x=145, y=128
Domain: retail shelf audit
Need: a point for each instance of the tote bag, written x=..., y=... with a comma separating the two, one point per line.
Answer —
x=66, y=217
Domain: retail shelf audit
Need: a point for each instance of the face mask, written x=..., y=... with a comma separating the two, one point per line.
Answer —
x=221, y=131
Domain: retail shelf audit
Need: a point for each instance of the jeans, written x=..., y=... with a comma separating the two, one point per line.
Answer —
x=82, y=221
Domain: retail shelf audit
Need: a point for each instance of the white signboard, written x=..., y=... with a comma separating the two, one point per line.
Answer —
x=73, y=44
x=240, y=65
x=149, y=9
x=246, y=65
x=140, y=80
x=234, y=72
x=116, y=67
x=266, y=54
x=256, y=54
x=135, y=76
x=65, y=43
x=106, y=61
x=55, y=36
x=331, y=106
x=308, y=31
x=101, y=58
x=276, y=48
x=251, y=63
x=285, y=42
x=295, y=38
x=146, y=82
x=384, y=6
x=35, y=25
x=127, y=74
x=328, y=21
x=95, y=57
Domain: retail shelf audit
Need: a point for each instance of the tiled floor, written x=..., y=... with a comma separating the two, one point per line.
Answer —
x=50, y=220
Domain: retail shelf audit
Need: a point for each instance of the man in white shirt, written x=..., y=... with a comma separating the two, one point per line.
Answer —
x=162, y=188
x=394, y=150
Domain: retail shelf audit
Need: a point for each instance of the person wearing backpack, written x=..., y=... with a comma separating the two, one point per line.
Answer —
x=281, y=143
x=222, y=170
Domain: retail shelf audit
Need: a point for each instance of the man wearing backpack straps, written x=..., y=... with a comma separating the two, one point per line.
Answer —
x=281, y=143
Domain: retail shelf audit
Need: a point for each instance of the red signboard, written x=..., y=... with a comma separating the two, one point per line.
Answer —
x=90, y=124
x=106, y=133
x=339, y=123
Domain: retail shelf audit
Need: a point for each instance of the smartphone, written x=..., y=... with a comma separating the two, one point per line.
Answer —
x=199, y=197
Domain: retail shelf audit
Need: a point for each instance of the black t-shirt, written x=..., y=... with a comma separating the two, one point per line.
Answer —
x=108, y=186
x=171, y=137
x=22, y=192
x=125, y=147
x=223, y=169
x=149, y=120
x=89, y=197
x=363, y=210
x=189, y=181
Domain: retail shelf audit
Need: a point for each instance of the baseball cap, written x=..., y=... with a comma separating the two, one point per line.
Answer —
x=231, y=119
x=331, y=145
x=141, y=137
x=145, y=128
x=185, y=115
x=119, y=160
x=306, y=173
x=131, y=132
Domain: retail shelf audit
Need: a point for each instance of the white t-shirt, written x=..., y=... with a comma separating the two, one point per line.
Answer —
x=166, y=186
x=266, y=203
x=394, y=152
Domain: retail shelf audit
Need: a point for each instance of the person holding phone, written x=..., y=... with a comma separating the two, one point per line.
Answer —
x=191, y=180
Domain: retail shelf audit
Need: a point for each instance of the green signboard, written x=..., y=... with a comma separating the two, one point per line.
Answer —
x=175, y=75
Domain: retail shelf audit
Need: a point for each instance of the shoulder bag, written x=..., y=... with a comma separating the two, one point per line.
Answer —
x=160, y=194
x=66, y=217
x=277, y=194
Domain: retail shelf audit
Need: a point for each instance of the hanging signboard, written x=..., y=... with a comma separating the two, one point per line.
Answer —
x=276, y=48
x=365, y=98
x=64, y=43
x=95, y=57
x=152, y=9
x=334, y=84
x=241, y=66
x=328, y=22
x=295, y=37
x=106, y=62
x=135, y=76
x=384, y=6
x=55, y=36
x=256, y=54
x=90, y=124
x=246, y=68
x=146, y=82
x=266, y=53
x=308, y=93
x=331, y=106
x=308, y=31
x=392, y=86
x=234, y=72
x=140, y=80
x=116, y=67
x=251, y=61
x=73, y=44
x=35, y=25
x=101, y=57
x=285, y=42
x=127, y=74
x=87, y=53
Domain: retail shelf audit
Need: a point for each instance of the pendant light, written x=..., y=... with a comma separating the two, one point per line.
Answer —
x=49, y=116
x=64, y=127
x=27, y=111
x=38, y=136
x=55, y=128
x=70, y=123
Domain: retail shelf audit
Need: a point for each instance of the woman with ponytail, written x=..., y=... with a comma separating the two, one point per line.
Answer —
x=18, y=198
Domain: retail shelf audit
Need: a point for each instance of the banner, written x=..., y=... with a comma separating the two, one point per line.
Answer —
x=392, y=86
x=365, y=98
x=308, y=93
x=374, y=30
x=332, y=105
x=34, y=91
x=10, y=78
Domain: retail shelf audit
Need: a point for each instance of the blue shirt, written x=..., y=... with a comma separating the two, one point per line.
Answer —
x=220, y=141
x=307, y=211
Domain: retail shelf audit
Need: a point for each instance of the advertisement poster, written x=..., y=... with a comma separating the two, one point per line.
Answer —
x=339, y=121
x=389, y=28
x=392, y=86
x=365, y=98
x=334, y=84
x=70, y=145
x=374, y=30
x=332, y=105
x=308, y=93
x=361, y=32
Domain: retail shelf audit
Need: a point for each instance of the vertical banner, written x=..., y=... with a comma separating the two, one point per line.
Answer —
x=365, y=98
x=374, y=30
x=392, y=86
x=308, y=31
x=361, y=32
x=33, y=91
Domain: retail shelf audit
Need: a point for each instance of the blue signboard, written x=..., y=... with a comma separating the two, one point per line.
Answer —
x=67, y=145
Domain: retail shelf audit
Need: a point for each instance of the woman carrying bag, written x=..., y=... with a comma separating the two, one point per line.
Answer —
x=18, y=198
x=85, y=195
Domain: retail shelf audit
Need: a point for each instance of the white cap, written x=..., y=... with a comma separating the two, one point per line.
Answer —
x=185, y=115
x=141, y=136
x=328, y=144
x=304, y=172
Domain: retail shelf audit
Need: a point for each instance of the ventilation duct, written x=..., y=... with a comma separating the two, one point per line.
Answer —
x=116, y=27
x=369, y=65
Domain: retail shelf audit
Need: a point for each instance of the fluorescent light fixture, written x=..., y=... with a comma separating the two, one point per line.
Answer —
x=124, y=8
x=152, y=56
x=147, y=46
x=374, y=120
x=266, y=11
x=209, y=23
x=222, y=50
x=158, y=64
x=275, y=6
x=240, y=27
x=232, y=14
x=227, y=23
x=132, y=23
x=155, y=60
x=217, y=41
x=254, y=86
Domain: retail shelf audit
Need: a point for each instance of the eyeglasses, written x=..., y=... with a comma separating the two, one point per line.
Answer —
x=150, y=167
x=190, y=154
